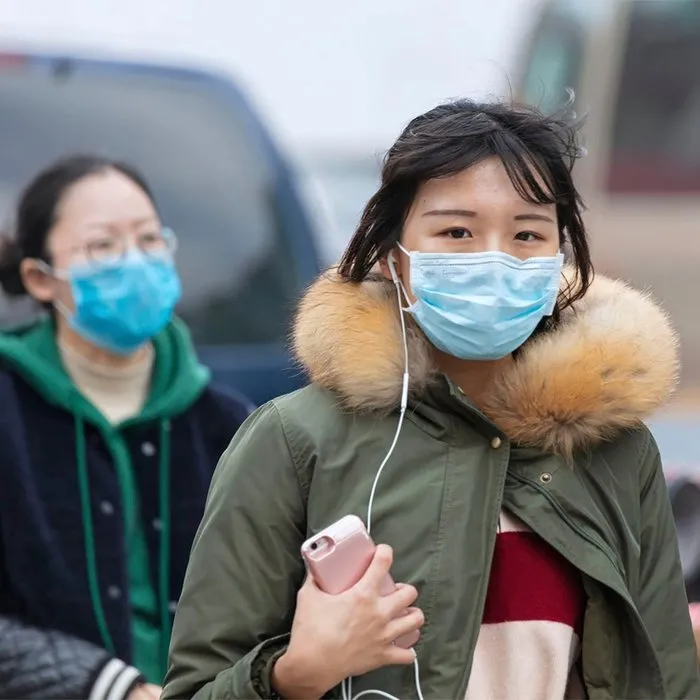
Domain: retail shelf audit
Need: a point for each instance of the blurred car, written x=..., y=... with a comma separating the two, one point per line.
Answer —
x=633, y=67
x=247, y=244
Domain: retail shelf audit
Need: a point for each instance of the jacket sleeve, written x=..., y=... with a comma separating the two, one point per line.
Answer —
x=661, y=596
x=51, y=665
x=245, y=569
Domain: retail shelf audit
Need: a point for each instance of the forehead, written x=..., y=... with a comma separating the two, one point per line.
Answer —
x=481, y=186
x=104, y=198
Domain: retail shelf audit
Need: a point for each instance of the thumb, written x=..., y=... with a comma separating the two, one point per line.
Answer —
x=379, y=567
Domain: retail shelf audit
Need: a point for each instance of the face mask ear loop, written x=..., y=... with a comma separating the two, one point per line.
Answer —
x=403, y=294
x=44, y=267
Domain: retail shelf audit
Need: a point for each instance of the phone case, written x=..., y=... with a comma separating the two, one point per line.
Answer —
x=337, y=558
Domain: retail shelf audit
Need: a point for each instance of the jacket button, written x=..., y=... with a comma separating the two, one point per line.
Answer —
x=107, y=508
x=114, y=592
x=148, y=449
x=157, y=524
x=496, y=443
x=545, y=477
x=172, y=606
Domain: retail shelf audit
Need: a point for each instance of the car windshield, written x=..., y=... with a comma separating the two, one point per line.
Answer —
x=213, y=181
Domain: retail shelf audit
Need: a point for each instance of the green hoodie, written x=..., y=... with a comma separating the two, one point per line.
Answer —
x=177, y=382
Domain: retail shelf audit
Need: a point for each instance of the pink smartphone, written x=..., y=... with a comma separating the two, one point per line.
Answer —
x=337, y=558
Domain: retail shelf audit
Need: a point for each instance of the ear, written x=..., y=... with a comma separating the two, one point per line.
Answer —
x=37, y=282
x=385, y=267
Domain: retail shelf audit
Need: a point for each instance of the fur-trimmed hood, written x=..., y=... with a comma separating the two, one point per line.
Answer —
x=612, y=361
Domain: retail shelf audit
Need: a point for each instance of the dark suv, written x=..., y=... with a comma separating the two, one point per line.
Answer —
x=247, y=244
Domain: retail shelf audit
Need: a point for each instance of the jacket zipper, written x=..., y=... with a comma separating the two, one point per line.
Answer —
x=563, y=515
x=601, y=547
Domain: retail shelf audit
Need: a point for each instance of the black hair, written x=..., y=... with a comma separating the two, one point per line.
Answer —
x=452, y=137
x=37, y=209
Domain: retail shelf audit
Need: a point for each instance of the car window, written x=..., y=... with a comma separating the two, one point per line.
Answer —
x=553, y=66
x=213, y=181
x=656, y=130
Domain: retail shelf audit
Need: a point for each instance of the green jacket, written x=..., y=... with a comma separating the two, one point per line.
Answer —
x=560, y=445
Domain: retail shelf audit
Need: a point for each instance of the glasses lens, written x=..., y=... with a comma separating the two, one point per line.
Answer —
x=157, y=244
x=105, y=250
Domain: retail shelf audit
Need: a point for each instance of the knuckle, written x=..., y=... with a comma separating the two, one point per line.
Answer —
x=363, y=596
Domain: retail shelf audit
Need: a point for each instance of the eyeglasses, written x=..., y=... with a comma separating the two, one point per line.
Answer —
x=110, y=249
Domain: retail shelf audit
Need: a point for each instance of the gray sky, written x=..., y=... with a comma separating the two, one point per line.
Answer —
x=345, y=75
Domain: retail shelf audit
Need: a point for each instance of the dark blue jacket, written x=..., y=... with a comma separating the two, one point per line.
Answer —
x=51, y=644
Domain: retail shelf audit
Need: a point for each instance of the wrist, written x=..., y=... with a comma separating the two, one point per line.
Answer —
x=293, y=678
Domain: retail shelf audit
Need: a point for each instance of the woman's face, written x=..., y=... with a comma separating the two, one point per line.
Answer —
x=97, y=216
x=475, y=211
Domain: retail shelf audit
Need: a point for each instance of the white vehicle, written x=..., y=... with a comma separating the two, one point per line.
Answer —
x=634, y=66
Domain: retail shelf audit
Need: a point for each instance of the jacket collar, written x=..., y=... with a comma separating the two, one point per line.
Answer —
x=611, y=362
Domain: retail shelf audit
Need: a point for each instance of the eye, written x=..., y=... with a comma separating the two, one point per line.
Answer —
x=457, y=234
x=103, y=244
x=528, y=236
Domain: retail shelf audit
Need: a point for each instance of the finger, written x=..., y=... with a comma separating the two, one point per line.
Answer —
x=395, y=603
x=410, y=622
x=396, y=656
x=379, y=567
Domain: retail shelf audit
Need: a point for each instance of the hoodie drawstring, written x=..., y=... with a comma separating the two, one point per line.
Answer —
x=164, y=565
x=89, y=535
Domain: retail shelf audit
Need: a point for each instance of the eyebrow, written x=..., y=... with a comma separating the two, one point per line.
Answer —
x=111, y=225
x=471, y=214
x=533, y=217
x=450, y=212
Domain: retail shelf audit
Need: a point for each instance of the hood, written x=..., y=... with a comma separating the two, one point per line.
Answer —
x=611, y=362
x=178, y=378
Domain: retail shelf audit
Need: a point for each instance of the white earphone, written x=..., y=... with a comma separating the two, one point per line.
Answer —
x=347, y=683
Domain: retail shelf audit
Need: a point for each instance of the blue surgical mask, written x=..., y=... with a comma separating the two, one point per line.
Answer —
x=121, y=306
x=480, y=306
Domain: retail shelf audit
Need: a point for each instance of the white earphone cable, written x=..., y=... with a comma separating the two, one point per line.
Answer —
x=346, y=685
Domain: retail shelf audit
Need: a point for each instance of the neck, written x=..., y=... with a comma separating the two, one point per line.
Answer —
x=473, y=377
x=68, y=337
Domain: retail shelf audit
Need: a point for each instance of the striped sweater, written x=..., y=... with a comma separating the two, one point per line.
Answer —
x=529, y=640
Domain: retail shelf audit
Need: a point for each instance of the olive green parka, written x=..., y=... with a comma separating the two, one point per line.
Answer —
x=560, y=443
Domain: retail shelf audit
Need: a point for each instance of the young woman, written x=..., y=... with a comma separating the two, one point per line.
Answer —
x=495, y=447
x=109, y=434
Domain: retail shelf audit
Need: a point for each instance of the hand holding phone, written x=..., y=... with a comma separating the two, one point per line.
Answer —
x=338, y=557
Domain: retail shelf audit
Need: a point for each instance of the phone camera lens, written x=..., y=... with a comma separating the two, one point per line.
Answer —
x=314, y=545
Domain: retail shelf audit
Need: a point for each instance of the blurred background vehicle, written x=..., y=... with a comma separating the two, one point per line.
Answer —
x=633, y=66
x=247, y=243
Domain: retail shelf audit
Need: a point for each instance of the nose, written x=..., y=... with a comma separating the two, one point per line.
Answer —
x=493, y=241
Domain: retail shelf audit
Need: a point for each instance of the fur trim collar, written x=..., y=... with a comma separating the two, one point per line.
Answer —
x=612, y=361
